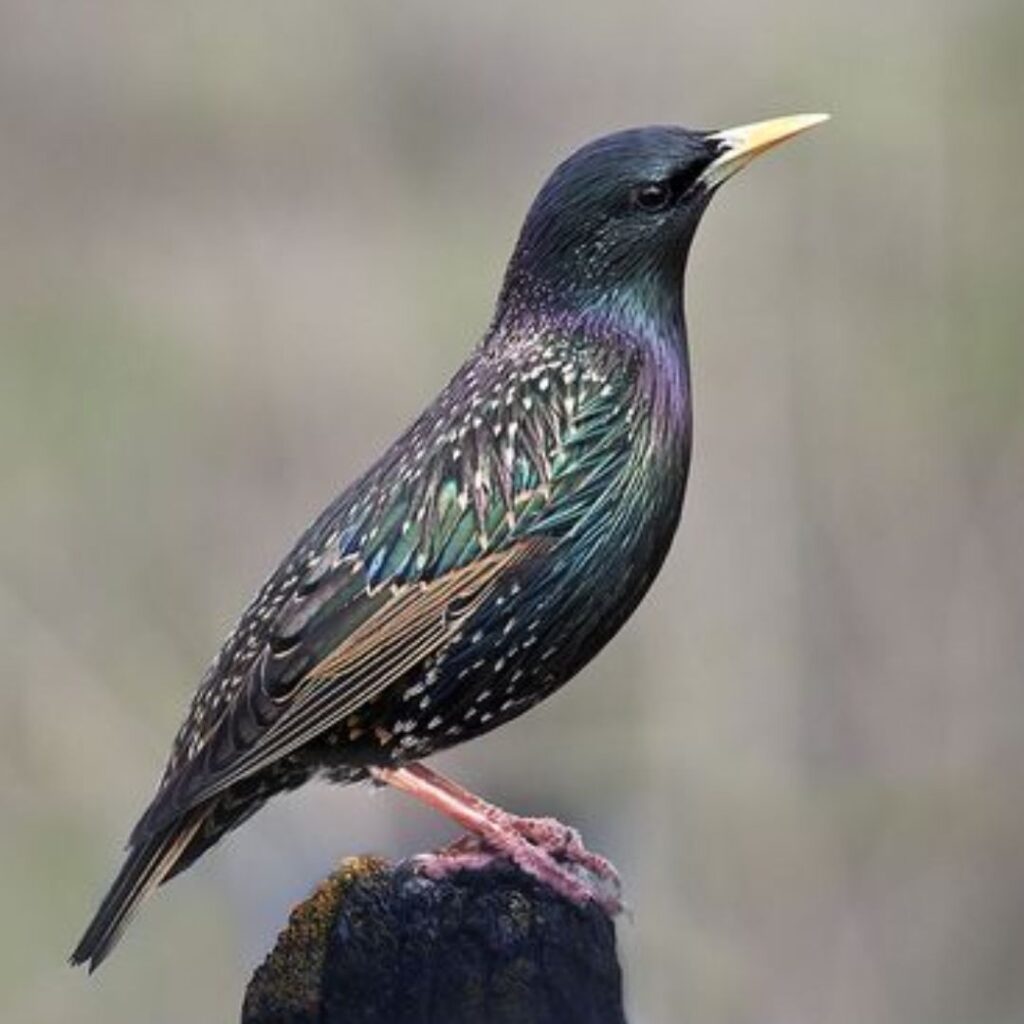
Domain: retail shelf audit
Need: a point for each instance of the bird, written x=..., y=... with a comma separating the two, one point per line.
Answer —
x=490, y=553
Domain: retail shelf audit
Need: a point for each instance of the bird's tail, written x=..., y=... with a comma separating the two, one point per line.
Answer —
x=146, y=866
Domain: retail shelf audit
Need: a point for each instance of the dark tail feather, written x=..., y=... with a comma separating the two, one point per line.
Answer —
x=145, y=868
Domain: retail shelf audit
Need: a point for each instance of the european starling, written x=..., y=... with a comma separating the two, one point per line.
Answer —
x=492, y=550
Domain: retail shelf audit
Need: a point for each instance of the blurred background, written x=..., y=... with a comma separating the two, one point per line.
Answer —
x=244, y=243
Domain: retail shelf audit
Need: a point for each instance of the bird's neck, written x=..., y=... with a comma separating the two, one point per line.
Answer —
x=645, y=309
x=644, y=317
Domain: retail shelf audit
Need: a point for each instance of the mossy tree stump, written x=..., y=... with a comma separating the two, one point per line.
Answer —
x=377, y=944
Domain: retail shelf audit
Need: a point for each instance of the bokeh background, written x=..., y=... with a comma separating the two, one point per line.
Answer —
x=243, y=243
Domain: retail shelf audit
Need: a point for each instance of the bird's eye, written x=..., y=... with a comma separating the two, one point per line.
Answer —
x=652, y=196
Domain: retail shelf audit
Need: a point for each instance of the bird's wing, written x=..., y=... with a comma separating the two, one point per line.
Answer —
x=384, y=580
x=308, y=679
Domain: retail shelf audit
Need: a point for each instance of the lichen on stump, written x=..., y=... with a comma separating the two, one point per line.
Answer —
x=377, y=944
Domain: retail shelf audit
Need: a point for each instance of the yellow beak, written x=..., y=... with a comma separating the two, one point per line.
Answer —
x=740, y=145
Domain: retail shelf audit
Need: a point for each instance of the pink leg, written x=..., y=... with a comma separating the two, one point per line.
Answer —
x=542, y=847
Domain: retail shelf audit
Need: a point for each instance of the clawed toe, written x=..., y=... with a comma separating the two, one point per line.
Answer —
x=565, y=843
x=467, y=853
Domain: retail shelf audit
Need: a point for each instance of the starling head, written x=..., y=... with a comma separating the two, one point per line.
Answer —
x=620, y=213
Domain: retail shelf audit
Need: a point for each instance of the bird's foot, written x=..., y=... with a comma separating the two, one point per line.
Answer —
x=571, y=878
x=544, y=848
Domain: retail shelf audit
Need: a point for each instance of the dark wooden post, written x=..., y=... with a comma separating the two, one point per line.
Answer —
x=377, y=944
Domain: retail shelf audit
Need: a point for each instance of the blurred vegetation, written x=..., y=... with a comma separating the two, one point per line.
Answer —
x=243, y=243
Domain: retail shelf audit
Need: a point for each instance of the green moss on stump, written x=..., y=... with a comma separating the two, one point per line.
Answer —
x=286, y=987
